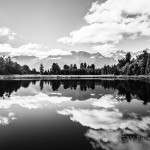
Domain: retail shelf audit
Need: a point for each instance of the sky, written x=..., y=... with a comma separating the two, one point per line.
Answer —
x=52, y=27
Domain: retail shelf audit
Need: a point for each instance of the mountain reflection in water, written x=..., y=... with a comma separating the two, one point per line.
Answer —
x=89, y=114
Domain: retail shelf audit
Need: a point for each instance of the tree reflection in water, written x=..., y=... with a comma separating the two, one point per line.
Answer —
x=8, y=87
x=127, y=88
x=107, y=122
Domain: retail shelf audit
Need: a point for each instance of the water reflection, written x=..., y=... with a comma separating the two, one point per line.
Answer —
x=8, y=87
x=114, y=114
x=110, y=127
x=128, y=88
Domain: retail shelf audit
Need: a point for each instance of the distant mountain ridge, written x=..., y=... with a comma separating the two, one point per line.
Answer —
x=75, y=58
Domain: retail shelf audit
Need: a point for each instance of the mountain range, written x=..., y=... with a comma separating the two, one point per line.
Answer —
x=74, y=58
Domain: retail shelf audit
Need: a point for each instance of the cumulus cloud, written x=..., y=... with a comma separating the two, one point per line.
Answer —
x=38, y=101
x=94, y=118
x=111, y=140
x=105, y=101
x=109, y=50
x=113, y=20
x=108, y=126
x=32, y=102
x=94, y=33
x=106, y=119
x=6, y=35
x=109, y=117
x=105, y=49
x=104, y=135
x=31, y=49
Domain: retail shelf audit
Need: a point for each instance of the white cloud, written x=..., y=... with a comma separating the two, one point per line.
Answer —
x=111, y=20
x=94, y=33
x=107, y=126
x=104, y=135
x=56, y=58
x=31, y=49
x=105, y=49
x=111, y=140
x=32, y=102
x=95, y=119
x=5, y=120
x=6, y=35
x=38, y=101
x=106, y=119
x=105, y=101
x=55, y=52
x=92, y=57
x=56, y=93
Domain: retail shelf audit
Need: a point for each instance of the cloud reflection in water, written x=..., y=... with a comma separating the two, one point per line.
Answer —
x=107, y=124
x=29, y=102
x=32, y=102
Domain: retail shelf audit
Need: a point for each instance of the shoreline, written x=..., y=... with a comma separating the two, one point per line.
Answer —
x=65, y=77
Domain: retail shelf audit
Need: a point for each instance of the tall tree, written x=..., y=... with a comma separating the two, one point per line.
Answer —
x=75, y=66
x=148, y=65
x=128, y=57
x=85, y=65
x=81, y=66
x=34, y=71
x=41, y=68
x=66, y=67
x=26, y=69
x=55, y=68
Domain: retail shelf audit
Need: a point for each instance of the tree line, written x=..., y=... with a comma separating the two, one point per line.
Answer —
x=68, y=70
x=7, y=66
x=130, y=66
x=125, y=66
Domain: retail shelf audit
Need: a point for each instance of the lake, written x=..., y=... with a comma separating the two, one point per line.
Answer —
x=75, y=114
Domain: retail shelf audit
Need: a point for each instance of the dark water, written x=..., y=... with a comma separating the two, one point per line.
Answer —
x=75, y=114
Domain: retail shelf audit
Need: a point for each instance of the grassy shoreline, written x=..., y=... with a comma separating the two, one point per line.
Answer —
x=49, y=77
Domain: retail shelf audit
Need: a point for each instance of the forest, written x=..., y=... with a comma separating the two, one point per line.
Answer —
x=125, y=66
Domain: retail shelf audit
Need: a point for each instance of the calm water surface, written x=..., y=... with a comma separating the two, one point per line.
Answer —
x=75, y=114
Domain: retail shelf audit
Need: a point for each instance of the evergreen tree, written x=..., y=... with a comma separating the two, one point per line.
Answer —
x=55, y=68
x=81, y=66
x=34, y=71
x=128, y=57
x=148, y=65
x=85, y=65
x=75, y=66
x=66, y=67
x=41, y=68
